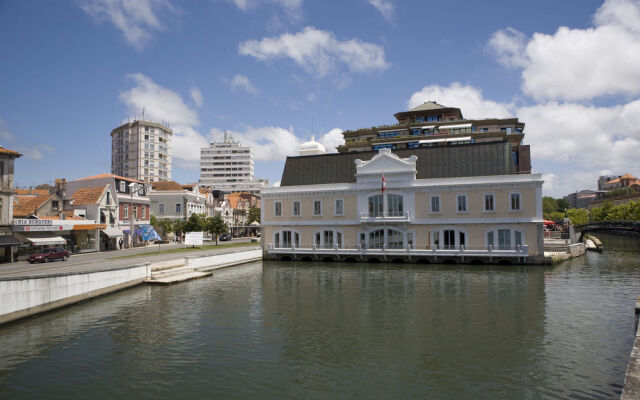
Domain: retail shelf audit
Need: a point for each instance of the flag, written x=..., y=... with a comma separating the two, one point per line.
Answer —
x=384, y=183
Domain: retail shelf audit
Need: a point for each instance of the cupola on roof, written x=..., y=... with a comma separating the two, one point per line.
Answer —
x=311, y=148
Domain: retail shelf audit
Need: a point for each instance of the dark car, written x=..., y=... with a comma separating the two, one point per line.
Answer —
x=47, y=255
x=225, y=237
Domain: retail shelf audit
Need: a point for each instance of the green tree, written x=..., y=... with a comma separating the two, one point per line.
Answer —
x=166, y=225
x=153, y=221
x=216, y=226
x=578, y=216
x=549, y=205
x=562, y=204
x=254, y=215
x=195, y=223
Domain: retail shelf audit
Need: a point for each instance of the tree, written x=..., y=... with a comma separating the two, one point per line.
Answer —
x=153, y=221
x=166, y=225
x=195, y=223
x=254, y=215
x=549, y=205
x=562, y=204
x=578, y=216
x=216, y=226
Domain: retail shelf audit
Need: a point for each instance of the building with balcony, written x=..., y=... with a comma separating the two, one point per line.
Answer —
x=435, y=125
x=464, y=203
x=228, y=167
x=141, y=150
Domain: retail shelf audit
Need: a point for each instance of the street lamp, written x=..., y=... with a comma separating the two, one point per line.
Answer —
x=132, y=187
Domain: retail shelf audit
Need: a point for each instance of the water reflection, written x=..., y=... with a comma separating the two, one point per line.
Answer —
x=322, y=330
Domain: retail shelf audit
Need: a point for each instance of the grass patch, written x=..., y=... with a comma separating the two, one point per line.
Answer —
x=185, y=250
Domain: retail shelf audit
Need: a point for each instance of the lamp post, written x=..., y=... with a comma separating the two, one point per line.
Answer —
x=132, y=187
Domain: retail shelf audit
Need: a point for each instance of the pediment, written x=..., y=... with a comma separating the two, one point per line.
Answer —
x=386, y=162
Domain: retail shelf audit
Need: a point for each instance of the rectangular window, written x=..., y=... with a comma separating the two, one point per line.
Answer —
x=296, y=208
x=161, y=208
x=135, y=212
x=317, y=208
x=435, y=204
x=461, y=201
x=123, y=186
x=339, y=207
x=277, y=209
x=143, y=212
x=514, y=201
x=489, y=202
x=126, y=211
x=178, y=208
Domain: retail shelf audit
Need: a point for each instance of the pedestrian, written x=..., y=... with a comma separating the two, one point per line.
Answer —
x=120, y=243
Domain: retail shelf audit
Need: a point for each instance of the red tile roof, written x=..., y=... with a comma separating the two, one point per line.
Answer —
x=23, y=206
x=166, y=186
x=109, y=176
x=89, y=195
x=10, y=152
x=32, y=192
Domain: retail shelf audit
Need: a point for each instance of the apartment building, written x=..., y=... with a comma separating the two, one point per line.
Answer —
x=228, y=167
x=141, y=150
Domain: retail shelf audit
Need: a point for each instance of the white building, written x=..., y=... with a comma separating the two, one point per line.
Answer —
x=227, y=166
x=142, y=150
x=170, y=200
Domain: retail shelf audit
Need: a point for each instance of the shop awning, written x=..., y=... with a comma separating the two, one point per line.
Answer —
x=113, y=232
x=9, y=240
x=46, y=241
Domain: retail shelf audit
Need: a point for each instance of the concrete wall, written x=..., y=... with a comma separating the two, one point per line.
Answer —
x=223, y=260
x=27, y=296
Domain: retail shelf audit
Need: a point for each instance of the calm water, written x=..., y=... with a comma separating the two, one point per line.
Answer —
x=318, y=331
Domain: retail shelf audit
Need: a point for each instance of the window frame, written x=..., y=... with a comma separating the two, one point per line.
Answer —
x=484, y=202
x=275, y=208
x=431, y=196
x=293, y=208
x=314, y=208
x=335, y=207
x=519, y=209
x=466, y=203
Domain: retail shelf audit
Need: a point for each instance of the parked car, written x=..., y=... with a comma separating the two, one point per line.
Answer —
x=225, y=237
x=47, y=255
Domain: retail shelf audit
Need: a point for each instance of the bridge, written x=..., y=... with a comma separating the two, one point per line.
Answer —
x=611, y=226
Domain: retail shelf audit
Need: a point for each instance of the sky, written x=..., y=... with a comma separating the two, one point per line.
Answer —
x=275, y=72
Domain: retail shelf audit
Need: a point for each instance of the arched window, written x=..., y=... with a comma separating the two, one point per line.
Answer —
x=376, y=205
x=286, y=239
x=394, y=205
x=504, y=238
x=328, y=238
x=449, y=238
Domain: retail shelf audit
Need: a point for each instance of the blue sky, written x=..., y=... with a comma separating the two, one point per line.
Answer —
x=271, y=71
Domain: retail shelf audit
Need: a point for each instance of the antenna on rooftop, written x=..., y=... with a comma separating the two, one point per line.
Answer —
x=143, y=113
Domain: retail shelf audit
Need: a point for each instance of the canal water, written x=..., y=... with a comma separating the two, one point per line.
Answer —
x=283, y=330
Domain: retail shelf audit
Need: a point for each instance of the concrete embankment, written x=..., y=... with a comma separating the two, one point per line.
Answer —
x=24, y=296
x=556, y=253
x=631, y=390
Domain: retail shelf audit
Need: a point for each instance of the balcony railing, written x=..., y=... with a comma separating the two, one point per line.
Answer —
x=398, y=250
x=390, y=216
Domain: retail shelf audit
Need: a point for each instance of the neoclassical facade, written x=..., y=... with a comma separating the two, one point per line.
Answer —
x=386, y=213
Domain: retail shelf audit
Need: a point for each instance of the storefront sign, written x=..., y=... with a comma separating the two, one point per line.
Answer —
x=36, y=228
x=32, y=222
x=89, y=227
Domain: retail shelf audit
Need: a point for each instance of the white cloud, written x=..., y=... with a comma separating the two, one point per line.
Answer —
x=508, y=45
x=196, y=96
x=292, y=8
x=332, y=139
x=35, y=152
x=468, y=98
x=580, y=64
x=385, y=7
x=575, y=139
x=159, y=103
x=135, y=19
x=162, y=104
x=243, y=83
x=268, y=143
x=317, y=52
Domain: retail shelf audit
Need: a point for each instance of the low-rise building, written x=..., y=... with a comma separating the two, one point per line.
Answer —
x=98, y=204
x=461, y=204
x=170, y=200
x=8, y=242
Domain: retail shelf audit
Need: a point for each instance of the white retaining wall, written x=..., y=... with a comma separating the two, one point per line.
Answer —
x=35, y=294
x=223, y=260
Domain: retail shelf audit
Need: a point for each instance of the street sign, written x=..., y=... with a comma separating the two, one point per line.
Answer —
x=193, y=238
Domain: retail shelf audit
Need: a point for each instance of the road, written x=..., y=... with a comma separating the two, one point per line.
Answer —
x=99, y=261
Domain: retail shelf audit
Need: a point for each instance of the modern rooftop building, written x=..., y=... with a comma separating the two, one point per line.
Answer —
x=141, y=150
x=435, y=125
x=228, y=167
